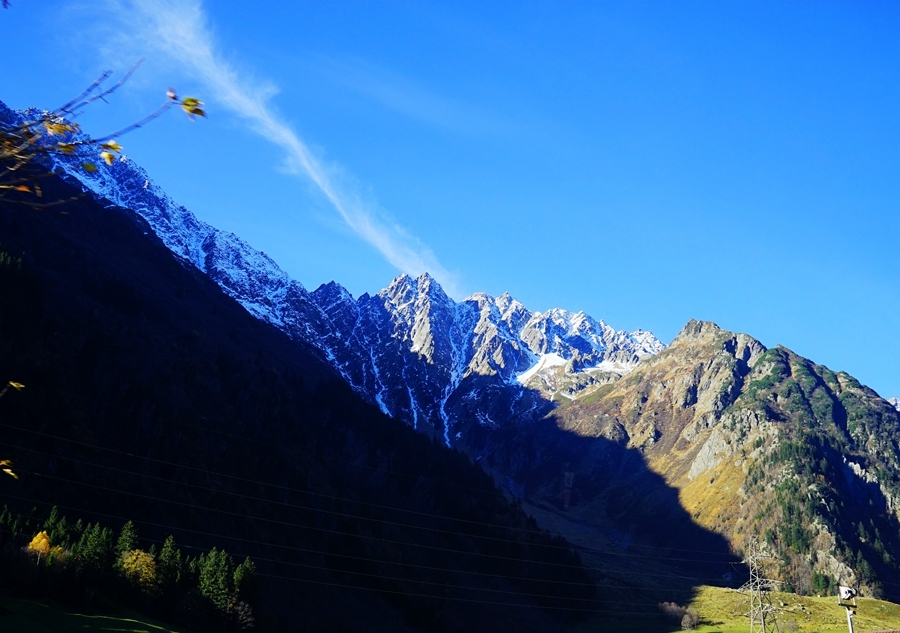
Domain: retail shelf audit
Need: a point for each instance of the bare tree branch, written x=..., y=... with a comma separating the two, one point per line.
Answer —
x=54, y=135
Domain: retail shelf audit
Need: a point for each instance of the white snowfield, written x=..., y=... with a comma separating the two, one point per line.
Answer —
x=544, y=362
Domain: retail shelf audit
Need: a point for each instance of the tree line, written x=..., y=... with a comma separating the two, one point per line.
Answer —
x=89, y=566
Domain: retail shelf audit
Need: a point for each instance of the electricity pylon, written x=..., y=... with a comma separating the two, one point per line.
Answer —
x=762, y=611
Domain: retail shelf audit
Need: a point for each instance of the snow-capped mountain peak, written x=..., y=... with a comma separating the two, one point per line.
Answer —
x=410, y=348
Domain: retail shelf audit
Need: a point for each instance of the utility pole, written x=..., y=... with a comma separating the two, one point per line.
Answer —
x=845, y=594
x=762, y=611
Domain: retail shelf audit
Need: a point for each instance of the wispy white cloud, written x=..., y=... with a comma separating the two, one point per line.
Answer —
x=179, y=29
x=397, y=92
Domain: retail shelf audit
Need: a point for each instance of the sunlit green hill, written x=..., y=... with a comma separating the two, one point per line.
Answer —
x=723, y=611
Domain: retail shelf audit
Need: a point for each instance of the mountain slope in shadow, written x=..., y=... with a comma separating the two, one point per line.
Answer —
x=152, y=396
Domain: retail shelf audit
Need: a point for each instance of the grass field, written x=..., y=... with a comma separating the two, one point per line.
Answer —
x=722, y=611
x=26, y=616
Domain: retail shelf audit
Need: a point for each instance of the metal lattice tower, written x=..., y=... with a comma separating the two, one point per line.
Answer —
x=762, y=611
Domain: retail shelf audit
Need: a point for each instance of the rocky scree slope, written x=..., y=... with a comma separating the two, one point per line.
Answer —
x=756, y=441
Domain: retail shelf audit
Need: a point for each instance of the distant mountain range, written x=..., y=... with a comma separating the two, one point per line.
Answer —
x=608, y=436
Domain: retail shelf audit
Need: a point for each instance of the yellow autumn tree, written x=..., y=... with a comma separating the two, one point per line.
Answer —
x=140, y=568
x=40, y=545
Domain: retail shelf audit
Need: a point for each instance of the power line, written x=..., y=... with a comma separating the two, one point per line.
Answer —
x=491, y=602
x=571, y=547
x=109, y=405
x=280, y=562
x=297, y=525
x=209, y=430
x=252, y=517
x=354, y=501
x=374, y=538
x=257, y=558
x=287, y=547
x=302, y=507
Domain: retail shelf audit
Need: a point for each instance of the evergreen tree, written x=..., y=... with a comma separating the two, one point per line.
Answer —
x=217, y=578
x=6, y=520
x=169, y=566
x=192, y=570
x=128, y=540
x=50, y=523
x=245, y=581
x=61, y=533
x=95, y=549
x=57, y=528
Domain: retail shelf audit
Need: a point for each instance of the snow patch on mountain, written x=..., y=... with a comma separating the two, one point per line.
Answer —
x=895, y=402
x=544, y=361
x=614, y=366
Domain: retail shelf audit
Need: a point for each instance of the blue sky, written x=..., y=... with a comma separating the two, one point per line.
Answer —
x=645, y=162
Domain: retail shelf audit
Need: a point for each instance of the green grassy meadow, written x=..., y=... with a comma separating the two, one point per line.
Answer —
x=722, y=611
x=28, y=616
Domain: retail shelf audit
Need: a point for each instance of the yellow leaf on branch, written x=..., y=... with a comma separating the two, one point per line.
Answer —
x=192, y=107
x=6, y=466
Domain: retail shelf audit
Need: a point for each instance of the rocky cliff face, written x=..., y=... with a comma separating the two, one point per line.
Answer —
x=756, y=442
x=451, y=367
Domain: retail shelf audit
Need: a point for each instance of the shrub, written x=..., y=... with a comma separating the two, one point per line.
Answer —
x=687, y=617
x=690, y=619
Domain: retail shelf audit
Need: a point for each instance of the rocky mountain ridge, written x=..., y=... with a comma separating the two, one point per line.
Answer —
x=421, y=356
